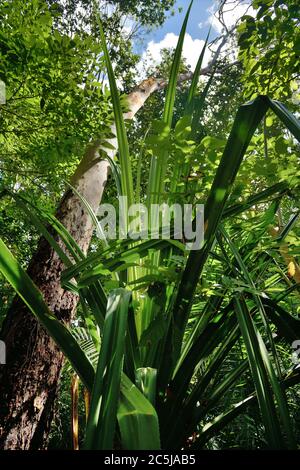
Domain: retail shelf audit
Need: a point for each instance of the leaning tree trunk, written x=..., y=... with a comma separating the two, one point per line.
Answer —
x=29, y=380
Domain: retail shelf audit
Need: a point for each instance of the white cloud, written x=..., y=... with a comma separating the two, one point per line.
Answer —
x=232, y=13
x=191, y=50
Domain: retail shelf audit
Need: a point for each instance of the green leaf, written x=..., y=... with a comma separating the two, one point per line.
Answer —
x=137, y=419
x=262, y=372
x=194, y=84
x=213, y=143
x=125, y=162
x=101, y=423
x=171, y=90
x=33, y=298
x=145, y=379
x=269, y=121
x=246, y=122
x=159, y=167
x=288, y=119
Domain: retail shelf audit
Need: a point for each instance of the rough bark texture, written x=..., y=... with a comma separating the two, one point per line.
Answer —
x=29, y=380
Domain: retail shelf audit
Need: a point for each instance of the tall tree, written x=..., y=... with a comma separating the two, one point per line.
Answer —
x=44, y=69
x=29, y=380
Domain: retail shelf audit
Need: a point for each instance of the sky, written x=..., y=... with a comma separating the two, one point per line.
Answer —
x=199, y=14
x=200, y=20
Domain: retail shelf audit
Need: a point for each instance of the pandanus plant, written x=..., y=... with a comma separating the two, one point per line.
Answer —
x=160, y=343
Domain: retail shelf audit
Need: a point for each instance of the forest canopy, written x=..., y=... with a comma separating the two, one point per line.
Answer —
x=144, y=340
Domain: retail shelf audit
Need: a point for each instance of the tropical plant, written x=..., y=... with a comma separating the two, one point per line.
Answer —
x=55, y=106
x=167, y=332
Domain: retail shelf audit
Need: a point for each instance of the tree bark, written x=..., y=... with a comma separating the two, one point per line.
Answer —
x=29, y=380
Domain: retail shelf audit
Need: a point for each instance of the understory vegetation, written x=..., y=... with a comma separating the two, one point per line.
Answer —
x=164, y=347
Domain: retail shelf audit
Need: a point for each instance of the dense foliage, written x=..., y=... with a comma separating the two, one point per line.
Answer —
x=176, y=349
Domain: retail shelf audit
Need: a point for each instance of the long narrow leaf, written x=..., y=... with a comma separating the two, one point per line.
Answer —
x=246, y=122
x=137, y=419
x=105, y=395
x=33, y=298
x=125, y=163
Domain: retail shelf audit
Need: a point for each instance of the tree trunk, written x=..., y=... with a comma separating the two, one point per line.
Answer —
x=29, y=380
